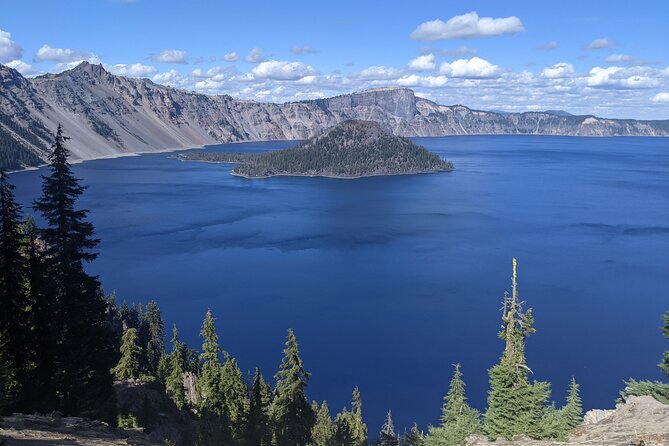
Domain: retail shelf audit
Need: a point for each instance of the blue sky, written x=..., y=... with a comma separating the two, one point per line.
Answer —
x=608, y=58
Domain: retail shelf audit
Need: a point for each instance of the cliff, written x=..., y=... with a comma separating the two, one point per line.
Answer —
x=111, y=115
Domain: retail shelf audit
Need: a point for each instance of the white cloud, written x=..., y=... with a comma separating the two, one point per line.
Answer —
x=622, y=78
x=422, y=63
x=600, y=44
x=618, y=58
x=303, y=50
x=9, y=50
x=23, y=68
x=172, y=78
x=552, y=45
x=661, y=97
x=63, y=55
x=474, y=68
x=282, y=70
x=171, y=56
x=377, y=73
x=231, y=57
x=254, y=56
x=413, y=80
x=460, y=51
x=558, y=71
x=467, y=26
x=132, y=70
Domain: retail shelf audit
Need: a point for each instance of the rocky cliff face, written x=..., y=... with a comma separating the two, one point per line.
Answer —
x=111, y=115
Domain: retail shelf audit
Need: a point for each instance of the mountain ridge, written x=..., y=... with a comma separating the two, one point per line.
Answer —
x=110, y=115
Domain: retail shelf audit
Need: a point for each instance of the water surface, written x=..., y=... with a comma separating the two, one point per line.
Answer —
x=388, y=281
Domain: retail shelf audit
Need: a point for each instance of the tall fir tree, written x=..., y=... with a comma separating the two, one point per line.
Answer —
x=458, y=419
x=293, y=416
x=388, y=437
x=664, y=365
x=572, y=412
x=414, y=437
x=17, y=351
x=237, y=402
x=351, y=430
x=515, y=406
x=260, y=412
x=155, y=345
x=128, y=365
x=323, y=432
x=84, y=351
x=174, y=381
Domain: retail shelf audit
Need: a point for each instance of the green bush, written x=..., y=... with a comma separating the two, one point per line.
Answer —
x=128, y=421
x=656, y=389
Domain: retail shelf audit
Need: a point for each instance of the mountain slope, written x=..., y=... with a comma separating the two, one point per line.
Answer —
x=110, y=115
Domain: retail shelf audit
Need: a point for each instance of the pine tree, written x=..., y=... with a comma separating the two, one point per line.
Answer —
x=350, y=429
x=235, y=394
x=128, y=365
x=156, y=333
x=260, y=411
x=174, y=380
x=17, y=350
x=664, y=365
x=293, y=416
x=83, y=350
x=457, y=418
x=323, y=432
x=515, y=406
x=572, y=412
x=414, y=437
x=388, y=437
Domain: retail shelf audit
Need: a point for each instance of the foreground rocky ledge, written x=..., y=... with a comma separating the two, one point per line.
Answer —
x=641, y=421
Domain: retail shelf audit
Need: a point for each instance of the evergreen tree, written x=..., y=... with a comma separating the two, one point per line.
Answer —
x=572, y=412
x=387, y=434
x=16, y=352
x=458, y=420
x=174, y=380
x=156, y=337
x=323, y=432
x=664, y=365
x=235, y=394
x=293, y=416
x=83, y=349
x=260, y=412
x=214, y=420
x=414, y=437
x=350, y=429
x=128, y=365
x=515, y=406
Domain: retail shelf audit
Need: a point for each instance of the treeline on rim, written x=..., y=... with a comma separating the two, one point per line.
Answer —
x=63, y=343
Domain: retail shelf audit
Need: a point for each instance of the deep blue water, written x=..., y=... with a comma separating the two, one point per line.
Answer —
x=388, y=281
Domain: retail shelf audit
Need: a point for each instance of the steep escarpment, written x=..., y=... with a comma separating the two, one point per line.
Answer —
x=112, y=115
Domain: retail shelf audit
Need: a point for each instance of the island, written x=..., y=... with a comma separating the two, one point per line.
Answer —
x=351, y=149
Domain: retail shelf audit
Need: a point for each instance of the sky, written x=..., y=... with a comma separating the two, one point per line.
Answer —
x=607, y=58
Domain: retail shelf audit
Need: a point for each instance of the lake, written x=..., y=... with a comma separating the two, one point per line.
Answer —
x=388, y=281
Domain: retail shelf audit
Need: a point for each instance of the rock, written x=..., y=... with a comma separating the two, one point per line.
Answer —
x=111, y=115
x=596, y=415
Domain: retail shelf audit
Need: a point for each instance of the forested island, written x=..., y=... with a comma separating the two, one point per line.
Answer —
x=352, y=149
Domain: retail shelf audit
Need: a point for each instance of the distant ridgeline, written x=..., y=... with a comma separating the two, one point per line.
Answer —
x=351, y=149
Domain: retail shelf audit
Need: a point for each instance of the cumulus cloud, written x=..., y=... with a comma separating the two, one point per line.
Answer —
x=459, y=51
x=414, y=80
x=282, y=70
x=63, y=55
x=377, y=73
x=552, y=45
x=132, y=70
x=422, y=63
x=171, y=77
x=9, y=50
x=474, y=68
x=467, y=26
x=171, y=56
x=303, y=50
x=622, y=78
x=231, y=57
x=661, y=97
x=558, y=71
x=600, y=44
x=23, y=68
x=254, y=56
